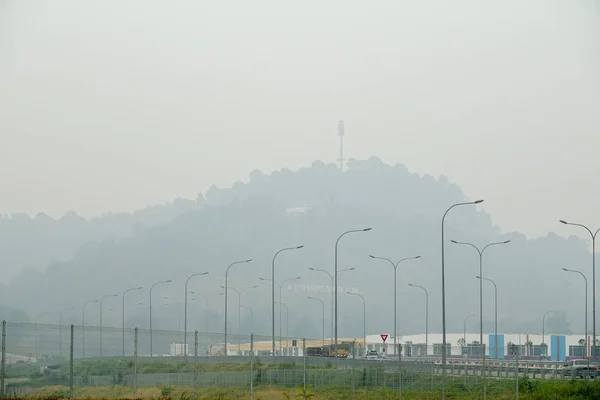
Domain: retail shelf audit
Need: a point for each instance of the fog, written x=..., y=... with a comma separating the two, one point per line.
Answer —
x=118, y=111
x=112, y=106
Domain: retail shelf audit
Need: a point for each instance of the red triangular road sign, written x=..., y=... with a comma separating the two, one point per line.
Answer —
x=384, y=337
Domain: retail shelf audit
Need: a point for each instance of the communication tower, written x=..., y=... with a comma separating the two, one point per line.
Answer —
x=341, y=135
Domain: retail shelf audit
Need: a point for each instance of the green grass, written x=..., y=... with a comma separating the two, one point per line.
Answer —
x=540, y=390
x=371, y=382
x=126, y=367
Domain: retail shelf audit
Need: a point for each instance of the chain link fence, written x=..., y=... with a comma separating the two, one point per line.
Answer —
x=101, y=362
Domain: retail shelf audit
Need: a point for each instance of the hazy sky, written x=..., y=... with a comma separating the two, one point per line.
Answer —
x=114, y=105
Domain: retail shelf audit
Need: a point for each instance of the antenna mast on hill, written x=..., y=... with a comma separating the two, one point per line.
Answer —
x=341, y=135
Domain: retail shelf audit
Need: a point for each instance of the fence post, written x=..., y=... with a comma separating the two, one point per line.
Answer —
x=135, y=361
x=400, y=367
x=3, y=361
x=484, y=375
x=432, y=373
x=251, y=366
x=517, y=376
x=71, y=343
x=196, y=363
x=304, y=367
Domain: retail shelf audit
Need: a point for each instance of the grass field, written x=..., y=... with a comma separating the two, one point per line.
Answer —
x=369, y=383
x=529, y=390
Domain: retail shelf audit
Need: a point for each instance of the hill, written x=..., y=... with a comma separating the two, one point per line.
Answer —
x=312, y=207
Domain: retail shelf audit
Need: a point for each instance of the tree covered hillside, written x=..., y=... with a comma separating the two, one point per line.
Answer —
x=254, y=220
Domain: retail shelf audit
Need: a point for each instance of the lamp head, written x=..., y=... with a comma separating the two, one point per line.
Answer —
x=248, y=260
x=311, y=268
x=506, y=241
x=417, y=257
x=367, y=229
x=371, y=256
x=477, y=276
x=300, y=247
x=562, y=221
x=352, y=269
x=564, y=269
x=478, y=201
x=454, y=241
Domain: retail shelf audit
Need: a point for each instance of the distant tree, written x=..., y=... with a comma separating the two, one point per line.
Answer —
x=513, y=349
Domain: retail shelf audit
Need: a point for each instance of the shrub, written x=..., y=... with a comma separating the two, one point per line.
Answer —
x=166, y=391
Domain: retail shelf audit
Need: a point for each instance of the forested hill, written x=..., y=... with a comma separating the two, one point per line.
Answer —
x=311, y=207
x=27, y=242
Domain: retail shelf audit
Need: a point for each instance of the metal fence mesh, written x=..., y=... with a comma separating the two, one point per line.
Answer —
x=94, y=362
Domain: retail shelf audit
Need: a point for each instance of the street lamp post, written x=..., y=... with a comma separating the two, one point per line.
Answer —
x=205, y=309
x=123, y=314
x=185, y=311
x=364, y=317
x=586, y=306
x=495, y=311
x=239, y=292
x=226, y=296
x=544, y=333
x=426, y=315
x=287, y=322
x=60, y=318
x=273, y=299
x=178, y=317
x=152, y=287
x=101, y=302
x=336, y=284
x=251, y=316
x=280, y=284
x=331, y=277
x=480, y=252
x=83, y=326
x=206, y=327
x=593, y=235
x=206, y=324
x=322, y=318
x=395, y=266
x=37, y=322
x=444, y=342
x=465, y=327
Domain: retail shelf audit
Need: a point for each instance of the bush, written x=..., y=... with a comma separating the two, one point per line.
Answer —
x=166, y=391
